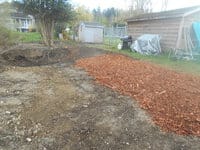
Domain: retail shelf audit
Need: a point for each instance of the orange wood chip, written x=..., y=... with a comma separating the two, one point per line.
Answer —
x=171, y=98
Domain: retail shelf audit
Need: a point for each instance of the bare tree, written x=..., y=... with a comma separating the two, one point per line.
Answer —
x=164, y=5
x=141, y=6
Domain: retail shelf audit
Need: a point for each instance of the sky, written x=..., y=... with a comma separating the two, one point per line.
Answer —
x=123, y=4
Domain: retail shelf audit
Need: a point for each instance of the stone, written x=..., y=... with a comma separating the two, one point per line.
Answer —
x=87, y=87
x=28, y=139
x=7, y=112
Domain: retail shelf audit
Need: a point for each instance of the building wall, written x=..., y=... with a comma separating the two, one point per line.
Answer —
x=81, y=33
x=166, y=28
x=90, y=34
x=23, y=24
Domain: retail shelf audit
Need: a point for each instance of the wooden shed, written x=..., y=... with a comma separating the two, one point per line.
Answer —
x=169, y=25
x=90, y=32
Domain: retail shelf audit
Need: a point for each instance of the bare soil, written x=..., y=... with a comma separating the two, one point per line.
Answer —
x=54, y=105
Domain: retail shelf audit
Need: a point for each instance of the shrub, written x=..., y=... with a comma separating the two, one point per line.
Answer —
x=7, y=37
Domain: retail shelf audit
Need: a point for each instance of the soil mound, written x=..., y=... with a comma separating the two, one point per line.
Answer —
x=34, y=55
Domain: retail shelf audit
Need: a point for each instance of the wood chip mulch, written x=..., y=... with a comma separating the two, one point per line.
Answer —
x=171, y=98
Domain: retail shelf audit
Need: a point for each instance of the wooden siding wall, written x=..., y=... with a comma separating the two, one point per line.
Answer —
x=166, y=28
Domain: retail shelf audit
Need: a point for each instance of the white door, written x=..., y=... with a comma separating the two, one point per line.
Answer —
x=89, y=35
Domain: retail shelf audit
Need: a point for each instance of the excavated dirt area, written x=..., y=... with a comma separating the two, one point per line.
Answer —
x=35, y=55
x=48, y=104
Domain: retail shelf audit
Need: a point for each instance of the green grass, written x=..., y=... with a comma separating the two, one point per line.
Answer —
x=191, y=67
x=29, y=37
x=111, y=41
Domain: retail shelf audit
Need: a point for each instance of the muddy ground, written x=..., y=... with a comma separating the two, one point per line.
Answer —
x=47, y=104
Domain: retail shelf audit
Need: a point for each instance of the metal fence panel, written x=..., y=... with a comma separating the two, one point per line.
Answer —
x=115, y=31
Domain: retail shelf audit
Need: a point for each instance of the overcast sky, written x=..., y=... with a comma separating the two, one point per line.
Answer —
x=173, y=4
x=124, y=4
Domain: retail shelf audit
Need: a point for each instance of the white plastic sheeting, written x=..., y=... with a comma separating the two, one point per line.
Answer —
x=148, y=44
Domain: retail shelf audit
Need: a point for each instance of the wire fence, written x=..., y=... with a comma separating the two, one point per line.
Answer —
x=112, y=35
x=115, y=31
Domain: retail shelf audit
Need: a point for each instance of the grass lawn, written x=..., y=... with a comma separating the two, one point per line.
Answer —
x=192, y=67
x=29, y=37
x=111, y=41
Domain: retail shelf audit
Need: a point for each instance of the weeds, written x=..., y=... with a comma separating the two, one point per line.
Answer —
x=7, y=37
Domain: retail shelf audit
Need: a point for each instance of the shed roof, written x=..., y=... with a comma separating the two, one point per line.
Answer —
x=165, y=14
x=92, y=24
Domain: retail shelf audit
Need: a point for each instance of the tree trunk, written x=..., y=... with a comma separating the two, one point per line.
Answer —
x=47, y=31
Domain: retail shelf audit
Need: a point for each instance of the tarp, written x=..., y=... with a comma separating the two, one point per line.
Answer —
x=196, y=27
x=148, y=44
